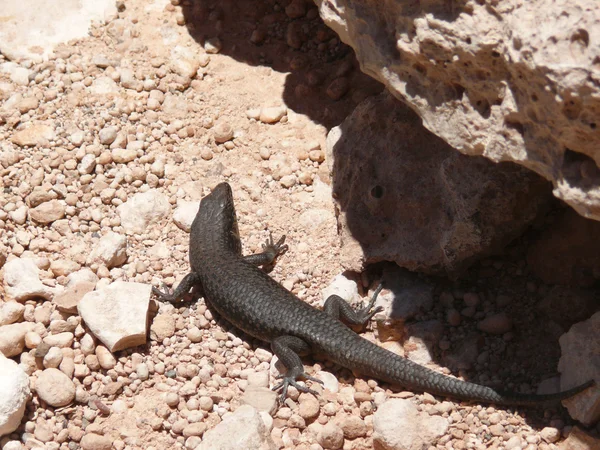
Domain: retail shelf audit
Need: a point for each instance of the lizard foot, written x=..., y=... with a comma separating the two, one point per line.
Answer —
x=165, y=294
x=290, y=380
x=366, y=313
x=277, y=248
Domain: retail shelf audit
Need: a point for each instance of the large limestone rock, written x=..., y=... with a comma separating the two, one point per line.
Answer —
x=406, y=196
x=31, y=29
x=511, y=80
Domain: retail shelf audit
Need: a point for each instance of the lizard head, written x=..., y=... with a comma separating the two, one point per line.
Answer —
x=217, y=213
x=218, y=205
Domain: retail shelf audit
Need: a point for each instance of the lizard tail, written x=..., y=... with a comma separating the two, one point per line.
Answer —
x=382, y=364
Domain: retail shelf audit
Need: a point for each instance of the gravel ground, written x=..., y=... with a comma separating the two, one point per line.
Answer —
x=143, y=106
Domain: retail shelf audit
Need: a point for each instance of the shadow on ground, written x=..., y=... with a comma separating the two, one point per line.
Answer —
x=323, y=81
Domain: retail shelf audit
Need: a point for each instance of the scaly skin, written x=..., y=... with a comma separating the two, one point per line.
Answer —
x=252, y=301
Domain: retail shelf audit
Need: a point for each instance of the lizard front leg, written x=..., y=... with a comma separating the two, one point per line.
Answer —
x=271, y=250
x=340, y=309
x=287, y=348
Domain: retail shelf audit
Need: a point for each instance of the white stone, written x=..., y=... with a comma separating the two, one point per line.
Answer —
x=22, y=281
x=11, y=312
x=14, y=392
x=111, y=250
x=104, y=86
x=398, y=424
x=107, y=135
x=185, y=61
x=330, y=381
x=117, y=314
x=87, y=164
x=143, y=210
x=261, y=398
x=53, y=358
x=62, y=340
x=272, y=114
x=343, y=287
x=184, y=215
x=243, y=428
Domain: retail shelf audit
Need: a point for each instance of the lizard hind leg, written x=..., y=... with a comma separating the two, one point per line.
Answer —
x=189, y=281
x=340, y=309
x=287, y=348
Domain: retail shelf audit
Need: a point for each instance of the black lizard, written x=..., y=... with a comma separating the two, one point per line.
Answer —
x=252, y=301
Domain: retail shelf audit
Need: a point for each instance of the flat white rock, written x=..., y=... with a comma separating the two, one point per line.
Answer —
x=22, y=281
x=117, y=314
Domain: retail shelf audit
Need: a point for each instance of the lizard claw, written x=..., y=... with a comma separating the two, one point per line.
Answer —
x=163, y=294
x=378, y=309
x=290, y=380
x=367, y=312
x=277, y=248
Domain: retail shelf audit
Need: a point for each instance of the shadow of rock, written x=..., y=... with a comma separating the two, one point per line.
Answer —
x=324, y=81
x=404, y=195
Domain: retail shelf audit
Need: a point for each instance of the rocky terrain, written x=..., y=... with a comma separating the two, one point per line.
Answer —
x=107, y=144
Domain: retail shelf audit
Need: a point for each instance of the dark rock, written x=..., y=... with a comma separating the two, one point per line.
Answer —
x=404, y=195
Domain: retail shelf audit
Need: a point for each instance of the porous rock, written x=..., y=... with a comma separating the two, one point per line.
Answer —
x=404, y=195
x=512, y=81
